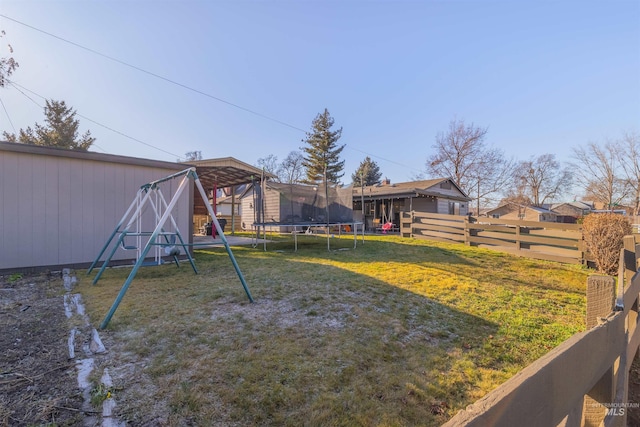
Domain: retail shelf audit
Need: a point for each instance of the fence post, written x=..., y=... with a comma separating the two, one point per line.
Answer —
x=627, y=268
x=413, y=213
x=582, y=247
x=467, y=241
x=600, y=303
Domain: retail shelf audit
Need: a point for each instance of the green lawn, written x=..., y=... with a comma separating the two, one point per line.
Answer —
x=397, y=332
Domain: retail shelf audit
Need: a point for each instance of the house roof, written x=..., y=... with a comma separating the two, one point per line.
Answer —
x=409, y=189
x=575, y=204
x=223, y=172
x=18, y=147
x=514, y=206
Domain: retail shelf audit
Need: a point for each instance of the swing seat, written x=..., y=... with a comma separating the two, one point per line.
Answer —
x=151, y=263
x=128, y=247
x=386, y=227
x=171, y=249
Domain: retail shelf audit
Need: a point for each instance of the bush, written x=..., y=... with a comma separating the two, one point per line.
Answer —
x=603, y=235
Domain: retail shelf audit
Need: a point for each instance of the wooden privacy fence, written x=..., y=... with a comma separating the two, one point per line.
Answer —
x=540, y=240
x=583, y=381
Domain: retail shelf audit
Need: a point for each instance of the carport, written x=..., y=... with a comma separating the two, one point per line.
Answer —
x=220, y=173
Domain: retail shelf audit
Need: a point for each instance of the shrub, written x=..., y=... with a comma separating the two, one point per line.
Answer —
x=603, y=235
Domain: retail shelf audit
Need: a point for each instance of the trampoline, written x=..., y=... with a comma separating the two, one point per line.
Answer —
x=298, y=208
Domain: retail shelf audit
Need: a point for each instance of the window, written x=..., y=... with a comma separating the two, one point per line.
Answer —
x=446, y=185
x=369, y=208
x=454, y=208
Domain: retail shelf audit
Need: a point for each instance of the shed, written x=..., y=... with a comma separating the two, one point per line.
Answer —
x=59, y=206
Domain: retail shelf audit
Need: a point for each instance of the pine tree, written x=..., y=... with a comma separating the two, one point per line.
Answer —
x=61, y=130
x=368, y=173
x=322, y=151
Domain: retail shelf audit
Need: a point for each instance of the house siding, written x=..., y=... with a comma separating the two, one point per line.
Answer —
x=424, y=204
x=59, y=211
x=529, y=214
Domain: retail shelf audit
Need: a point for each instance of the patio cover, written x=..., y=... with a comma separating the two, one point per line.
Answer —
x=225, y=172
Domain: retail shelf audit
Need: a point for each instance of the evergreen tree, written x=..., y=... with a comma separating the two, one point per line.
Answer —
x=61, y=130
x=322, y=151
x=368, y=173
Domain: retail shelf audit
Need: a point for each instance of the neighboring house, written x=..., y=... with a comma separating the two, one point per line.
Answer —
x=570, y=212
x=523, y=213
x=384, y=202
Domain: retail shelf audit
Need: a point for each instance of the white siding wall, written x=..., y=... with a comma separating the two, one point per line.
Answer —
x=58, y=211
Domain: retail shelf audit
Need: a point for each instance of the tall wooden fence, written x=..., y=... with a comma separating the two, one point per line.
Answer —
x=540, y=240
x=584, y=381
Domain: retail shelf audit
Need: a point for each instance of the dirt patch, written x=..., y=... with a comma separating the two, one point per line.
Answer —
x=38, y=381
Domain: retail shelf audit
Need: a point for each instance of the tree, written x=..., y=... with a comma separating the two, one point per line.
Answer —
x=270, y=165
x=629, y=157
x=321, y=152
x=604, y=237
x=7, y=65
x=61, y=129
x=490, y=177
x=368, y=173
x=191, y=156
x=541, y=179
x=595, y=170
x=291, y=170
x=461, y=154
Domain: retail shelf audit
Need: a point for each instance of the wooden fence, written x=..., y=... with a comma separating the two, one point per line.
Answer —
x=584, y=381
x=540, y=240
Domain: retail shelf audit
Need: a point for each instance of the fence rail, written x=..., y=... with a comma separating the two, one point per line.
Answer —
x=540, y=240
x=583, y=381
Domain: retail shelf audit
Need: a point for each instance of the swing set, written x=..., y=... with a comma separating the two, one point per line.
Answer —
x=130, y=229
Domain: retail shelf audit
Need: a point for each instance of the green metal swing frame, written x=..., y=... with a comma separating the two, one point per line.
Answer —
x=143, y=197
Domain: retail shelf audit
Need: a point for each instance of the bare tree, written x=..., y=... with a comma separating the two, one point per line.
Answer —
x=192, y=156
x=457, y=153
x=270, y=165
x=462, y=155
x=291, y=170
x=7, y=65
x=595, y=170
x=491, y=177
x=541, y=179
x=628, y=152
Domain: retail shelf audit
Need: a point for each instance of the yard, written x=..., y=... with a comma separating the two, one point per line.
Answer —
x=396, y=332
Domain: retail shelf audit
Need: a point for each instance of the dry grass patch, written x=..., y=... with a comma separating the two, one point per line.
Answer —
x=397, y=332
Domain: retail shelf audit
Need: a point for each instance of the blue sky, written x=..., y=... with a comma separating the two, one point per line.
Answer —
x=543, y=76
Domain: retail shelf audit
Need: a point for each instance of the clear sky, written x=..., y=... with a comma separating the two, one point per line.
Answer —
x=543, y=76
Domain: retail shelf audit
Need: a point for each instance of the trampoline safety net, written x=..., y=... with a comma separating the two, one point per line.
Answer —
x=304, y=204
